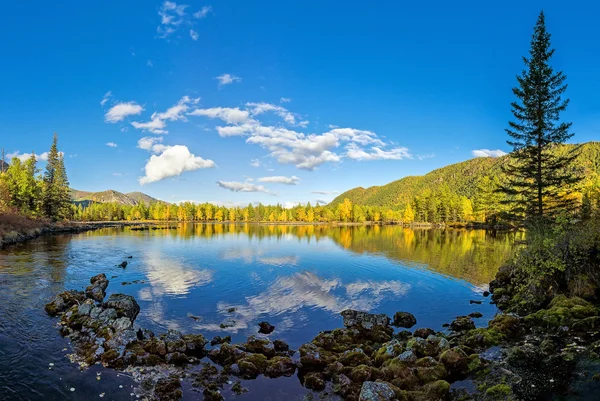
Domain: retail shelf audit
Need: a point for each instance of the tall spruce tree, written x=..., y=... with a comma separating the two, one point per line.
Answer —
x=537, y=173
x=56, y=194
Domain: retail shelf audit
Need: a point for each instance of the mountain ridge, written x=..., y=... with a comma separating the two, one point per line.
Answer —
x=461, y=177
x=112, y=196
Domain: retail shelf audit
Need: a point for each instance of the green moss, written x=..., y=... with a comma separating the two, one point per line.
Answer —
x=362, y=373
x=506, y=325
x=482, y=337
x=437, y=390
x=399, y=374
x=354, y=358
x=499, y=391
x=314, y=381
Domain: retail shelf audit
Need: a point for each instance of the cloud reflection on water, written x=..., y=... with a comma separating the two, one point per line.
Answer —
x=170, y=277
x=289, y=294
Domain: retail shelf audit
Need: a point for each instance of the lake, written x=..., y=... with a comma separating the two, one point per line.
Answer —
x=298, y=278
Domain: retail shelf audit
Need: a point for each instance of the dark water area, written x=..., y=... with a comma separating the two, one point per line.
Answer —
x=298, y=278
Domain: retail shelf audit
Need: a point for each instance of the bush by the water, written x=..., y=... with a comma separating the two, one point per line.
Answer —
x=560, y=258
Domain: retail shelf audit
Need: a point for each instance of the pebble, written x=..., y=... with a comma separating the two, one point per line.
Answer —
x=72, y=388
x=101, y=395
x=120, y=386
x=50, y=364
x=551, y=380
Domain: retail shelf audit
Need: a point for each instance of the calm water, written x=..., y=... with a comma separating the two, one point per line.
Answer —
x=296, y=277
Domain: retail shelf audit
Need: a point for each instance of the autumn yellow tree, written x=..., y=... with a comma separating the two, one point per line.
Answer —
x=345, y=210
x=409, y=215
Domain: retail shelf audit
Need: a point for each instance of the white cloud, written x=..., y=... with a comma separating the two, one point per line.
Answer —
x=290, y=205
x=121, y=110
x=398, y=153
x=325, y=192
x=242, y=187
x=152, y=144
x=173, y=161
x=23, y=157
x=173, y=16
x=157, y=123
x=149, y=63
x=111, y=144
x=227, y=79
x=117, y=174
x=260, y=108
x=279, y=179
x=154, y=126
x=285, y=100
x=105, y=98
x=227, y=114
x=255, y=163
x=203, y=12
x=488, y=153
x=361, y=137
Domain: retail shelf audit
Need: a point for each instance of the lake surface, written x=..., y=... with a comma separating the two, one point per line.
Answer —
x=298, y=278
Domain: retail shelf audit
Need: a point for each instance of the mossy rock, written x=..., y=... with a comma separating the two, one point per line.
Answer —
x=280, y=366
x=400, y=374
x=437, y=390
x=155, y=346
x=499, y=391
x=456, y=362
x=362, y=373
x=482, y=338
x=506, y=325
x=354, y=358
x=168, y=389
x=430, y=370
x=314, y=381
x=388, y=351
x=252, y=365
x=109, y=357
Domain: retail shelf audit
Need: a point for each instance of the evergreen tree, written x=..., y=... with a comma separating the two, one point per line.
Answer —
x=56, y=197
x=537, y=174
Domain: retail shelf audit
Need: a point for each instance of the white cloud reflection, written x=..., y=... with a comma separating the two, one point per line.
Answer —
x=290, y=294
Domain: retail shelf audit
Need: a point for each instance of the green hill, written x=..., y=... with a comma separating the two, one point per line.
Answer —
x=461, y=178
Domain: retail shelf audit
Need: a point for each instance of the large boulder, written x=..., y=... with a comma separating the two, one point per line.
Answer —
x=125, y=305
x=376, y=391
x=367, y=321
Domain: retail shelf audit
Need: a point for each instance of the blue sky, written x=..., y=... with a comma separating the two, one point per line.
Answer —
x=237, y=102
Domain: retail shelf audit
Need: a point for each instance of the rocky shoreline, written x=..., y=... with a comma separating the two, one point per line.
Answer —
x=17, y=237
x=515, y=358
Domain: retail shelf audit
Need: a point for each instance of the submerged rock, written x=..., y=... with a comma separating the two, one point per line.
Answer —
x=404, y=319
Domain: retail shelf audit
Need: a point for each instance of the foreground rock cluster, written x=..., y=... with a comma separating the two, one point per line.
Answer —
x=524, y=358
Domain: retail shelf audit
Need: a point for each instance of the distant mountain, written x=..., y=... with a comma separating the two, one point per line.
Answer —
x=141, y=197
x=112, y=196
x=461, y=178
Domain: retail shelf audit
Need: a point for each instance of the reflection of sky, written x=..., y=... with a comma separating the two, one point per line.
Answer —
x=288, y=294
x=170, y=277
x=300, y=286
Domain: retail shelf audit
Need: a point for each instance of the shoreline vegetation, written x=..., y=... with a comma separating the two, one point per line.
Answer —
x=16, y=228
